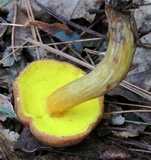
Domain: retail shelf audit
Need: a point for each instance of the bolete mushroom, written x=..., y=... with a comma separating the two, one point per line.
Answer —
x=32, y=88
x=59, y=103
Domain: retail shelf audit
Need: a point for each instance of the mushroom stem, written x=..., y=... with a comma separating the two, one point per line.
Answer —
x=108, y=73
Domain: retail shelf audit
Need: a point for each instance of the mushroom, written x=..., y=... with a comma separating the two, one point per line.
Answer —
x=59, y=102
x=31, y=89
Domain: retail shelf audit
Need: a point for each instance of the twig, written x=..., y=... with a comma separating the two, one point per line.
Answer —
x=60, y=53
x=127, y=111
x=35, y=31
x=134, y=29
x=1, y=61
x=128, y=104
x=13, y=29
x=66, y=42
x=139, y=150
x=79, y=40
x=77, y=54
x=139, y=91
x=11, y=24
x=131, y=142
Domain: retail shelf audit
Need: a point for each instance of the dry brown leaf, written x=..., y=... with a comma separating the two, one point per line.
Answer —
x=75, y=9
x=141, y=13
x=125, y=134
x=4, y=78
x=145, y=116
x=69, y=9
x=114, y=152
x=7, y=141
x=139, y=74
x=27, y=142
x=20, y=33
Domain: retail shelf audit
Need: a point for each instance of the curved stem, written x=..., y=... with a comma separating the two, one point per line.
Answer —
x=109, y=72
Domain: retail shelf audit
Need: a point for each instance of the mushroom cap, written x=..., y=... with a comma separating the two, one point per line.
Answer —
x=31, y=90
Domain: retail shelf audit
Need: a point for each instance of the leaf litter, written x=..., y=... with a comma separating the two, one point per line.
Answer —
x=128, y=136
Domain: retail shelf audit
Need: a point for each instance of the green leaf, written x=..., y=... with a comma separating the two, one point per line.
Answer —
x=138, y=122
x=8, y=112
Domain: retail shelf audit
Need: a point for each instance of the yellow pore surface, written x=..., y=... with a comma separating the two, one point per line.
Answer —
x=37, y=82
